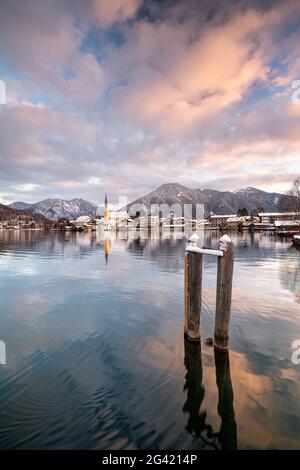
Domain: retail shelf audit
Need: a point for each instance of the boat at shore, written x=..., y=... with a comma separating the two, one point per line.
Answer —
x=296, y=240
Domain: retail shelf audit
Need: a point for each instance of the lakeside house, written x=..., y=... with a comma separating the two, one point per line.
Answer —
x=287, y=226
x=272, y=217
x=237, y=222
x=82, y=221
x=16, y=224
x=220, y=220
x=286, y=222
x=296, y=240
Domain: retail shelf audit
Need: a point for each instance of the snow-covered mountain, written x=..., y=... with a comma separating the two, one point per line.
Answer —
x=55, y=209
x=9, y=214
x=218, y=202
x=270, y=198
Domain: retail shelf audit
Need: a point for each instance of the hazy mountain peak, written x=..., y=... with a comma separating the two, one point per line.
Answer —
x=249, y=190
x=171, y=186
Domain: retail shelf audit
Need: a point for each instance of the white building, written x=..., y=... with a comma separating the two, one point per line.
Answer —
x=220, y=219
x=83, y=221
x=272, y=217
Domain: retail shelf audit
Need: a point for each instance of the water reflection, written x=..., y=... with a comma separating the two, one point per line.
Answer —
x=226, y=437
x=290, y=275
x=93, y=324
x=196, y=424
x=228, y=431
x=107, y=248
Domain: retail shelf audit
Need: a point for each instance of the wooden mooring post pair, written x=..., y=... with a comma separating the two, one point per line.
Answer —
x=193, y=264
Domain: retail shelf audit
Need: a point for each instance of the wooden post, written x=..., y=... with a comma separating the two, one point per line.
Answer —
x=224, y=290
x=194, y=291
x=186, y=264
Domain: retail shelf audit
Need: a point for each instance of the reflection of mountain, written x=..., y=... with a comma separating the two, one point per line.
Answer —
x=47, y=244
x=290, y=275
x=162, y=249
x=166, y=253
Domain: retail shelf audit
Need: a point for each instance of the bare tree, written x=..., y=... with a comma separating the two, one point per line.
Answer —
x=291, y=200
x=295, y=189
x=295, y=193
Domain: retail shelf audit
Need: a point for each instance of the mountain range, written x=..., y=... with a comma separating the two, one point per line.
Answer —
x=217, y=202
x=55, y=209
x=9, y=214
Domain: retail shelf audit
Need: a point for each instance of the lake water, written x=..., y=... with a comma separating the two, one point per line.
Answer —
x=96, y=356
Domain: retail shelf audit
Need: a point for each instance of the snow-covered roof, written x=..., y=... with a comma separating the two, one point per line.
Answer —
x=221, y=216
x=236, y=219
x=118, y=215
x=83, y=219
x=276, y=214
x=287, y=223
x=262, y=224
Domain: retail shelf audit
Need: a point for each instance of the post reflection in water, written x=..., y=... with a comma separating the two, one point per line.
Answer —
x=228, y=431
x=197, y=424
x=195, y=391
x=67, y=385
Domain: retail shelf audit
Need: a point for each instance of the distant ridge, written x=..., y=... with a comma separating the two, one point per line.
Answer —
x=55, y=209
x=9, y=214
x=218, y=202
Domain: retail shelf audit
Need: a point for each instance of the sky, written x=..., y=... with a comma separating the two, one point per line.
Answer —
x=122, y=96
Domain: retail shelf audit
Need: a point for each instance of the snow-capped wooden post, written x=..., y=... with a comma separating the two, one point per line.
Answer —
x=224, y=290
x=193, y=289
x=186, y=261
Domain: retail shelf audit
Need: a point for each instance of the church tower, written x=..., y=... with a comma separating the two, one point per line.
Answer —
x=106, y=212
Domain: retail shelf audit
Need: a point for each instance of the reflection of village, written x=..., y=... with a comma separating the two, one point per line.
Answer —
x=163, y=247
x=212, y=414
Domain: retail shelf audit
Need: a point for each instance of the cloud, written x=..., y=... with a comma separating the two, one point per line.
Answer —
x=176, y=80
x=109, y=12
x=123, y=96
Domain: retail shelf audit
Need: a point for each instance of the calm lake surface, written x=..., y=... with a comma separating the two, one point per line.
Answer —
x=95, y=351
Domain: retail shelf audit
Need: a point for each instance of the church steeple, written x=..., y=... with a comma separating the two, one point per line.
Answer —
x=106, y=212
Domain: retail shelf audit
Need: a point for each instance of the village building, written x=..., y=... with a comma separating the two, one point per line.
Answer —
x=217, y=220
x=236, y=222
x=287, y=226
x=83, y=221
x=272, y=217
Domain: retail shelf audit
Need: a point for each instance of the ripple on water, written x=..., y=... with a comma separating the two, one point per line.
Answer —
x=99, y=354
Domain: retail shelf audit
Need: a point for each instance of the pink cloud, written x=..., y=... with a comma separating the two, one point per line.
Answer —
x=182, y=80
x=108, y=12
